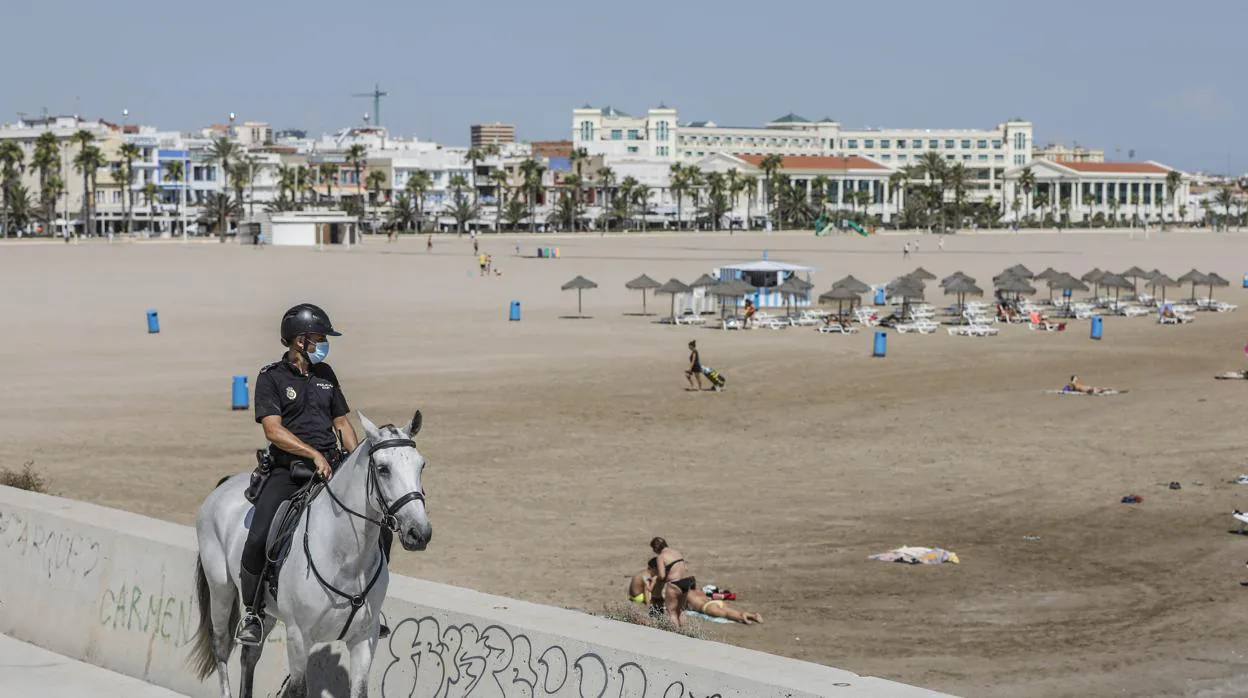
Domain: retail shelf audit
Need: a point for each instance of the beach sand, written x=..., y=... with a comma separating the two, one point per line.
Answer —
x=557, y=448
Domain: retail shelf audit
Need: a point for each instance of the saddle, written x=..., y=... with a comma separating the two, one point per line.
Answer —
x=282, y=531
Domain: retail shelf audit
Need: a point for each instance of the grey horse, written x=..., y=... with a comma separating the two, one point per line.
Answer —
x=333, y=584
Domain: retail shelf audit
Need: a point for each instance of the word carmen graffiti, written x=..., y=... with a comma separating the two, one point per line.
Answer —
x=462, y=660
x=164, y=616
x=57, y=553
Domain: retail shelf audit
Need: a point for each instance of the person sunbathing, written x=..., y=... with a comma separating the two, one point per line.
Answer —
x=642, y=584
x=1077, y=386
x=1167, y=311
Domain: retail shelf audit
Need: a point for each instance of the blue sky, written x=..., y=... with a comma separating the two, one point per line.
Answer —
x=1161, y=78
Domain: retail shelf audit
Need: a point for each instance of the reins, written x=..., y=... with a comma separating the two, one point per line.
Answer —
x=387, y=520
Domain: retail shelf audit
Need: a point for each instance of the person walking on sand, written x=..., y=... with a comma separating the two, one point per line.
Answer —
x=695, y=367
x=905, y=251
x=940, y=243
x=476, y=247
x=481, y=262
x=429, y=244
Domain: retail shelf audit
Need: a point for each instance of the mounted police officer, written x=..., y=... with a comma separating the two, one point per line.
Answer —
x=300, y=404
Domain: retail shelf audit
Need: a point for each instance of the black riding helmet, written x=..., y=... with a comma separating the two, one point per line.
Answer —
x=306, y=318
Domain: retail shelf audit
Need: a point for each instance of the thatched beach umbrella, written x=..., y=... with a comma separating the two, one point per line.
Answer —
x=841, y=294
x=853, y=284
x=793, y=287
x=1135, y=274
x=1194, y=278
x=642, y=283
x=1021, y=272
x=1116, y=282
x=1162, y=281
x=673, y=287
x=1094, y=277
x=706, y=280
x=580, y=284
x=953, y=277
x=1212, y=279
x=907, y=288
x=734, y=289
x=962, y=288
x=923, y=274
x=1048, y=273
x=1015, y=285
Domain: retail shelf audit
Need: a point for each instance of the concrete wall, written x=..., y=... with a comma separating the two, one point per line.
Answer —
x=115, y=589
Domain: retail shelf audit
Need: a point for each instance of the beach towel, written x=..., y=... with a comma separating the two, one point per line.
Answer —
x=708, y=619
x=917, y=556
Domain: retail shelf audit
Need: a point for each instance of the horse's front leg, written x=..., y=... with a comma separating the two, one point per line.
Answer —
x=361, y=656
x=297, y=664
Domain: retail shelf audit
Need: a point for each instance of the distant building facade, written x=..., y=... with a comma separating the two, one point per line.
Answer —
x=492, y=134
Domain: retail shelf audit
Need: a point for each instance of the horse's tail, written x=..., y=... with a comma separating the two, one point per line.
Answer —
x=203, y=659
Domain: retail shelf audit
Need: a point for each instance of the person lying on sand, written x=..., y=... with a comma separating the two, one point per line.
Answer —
x=1076, y=386
x=642, y=584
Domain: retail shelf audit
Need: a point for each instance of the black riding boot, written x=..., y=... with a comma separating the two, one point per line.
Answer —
x=251, y=628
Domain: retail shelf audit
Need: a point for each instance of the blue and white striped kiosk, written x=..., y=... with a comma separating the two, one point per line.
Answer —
x=766, y=276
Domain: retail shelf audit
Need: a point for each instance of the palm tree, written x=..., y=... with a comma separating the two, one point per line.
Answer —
x=1113, y=209
x=734, y=190
x=82, y=138
x=1089, y=200
x=1135, y=201
x=863, y=199
x=47, y=160
x=958, y=179
x=53, y=188
x=1042, y=202
x=934, y=169
x=622, y=202
x=896, y=182
x=327, y=174
x=499, y=177
x=573, y=184
x=11, y=157
x=129, y=153
x=418, y=184
x=515, y=212
x=219, y=208
x=749, y=185
x=224, y=150
x=88, y=161
x=1183, y=212
x=175, y=172
x=150, y=191
x=357, y=156
x=531, y=170
x=303, y=182
x=1027, y=180
x=641, y=197
x=819, y=191
x=770, y=166
x=578, y=158
x=376, y=179
x=458, y=184
x=404, y=215
x=473, y=156
x=1225, y=199
x=1016, y=206
x=1174, y=178
x=716, y=199
x=564, y=211
x=252, y=165
x=606, y=177
x=19, y=206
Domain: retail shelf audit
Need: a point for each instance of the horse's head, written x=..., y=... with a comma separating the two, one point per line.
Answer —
x=397, y=467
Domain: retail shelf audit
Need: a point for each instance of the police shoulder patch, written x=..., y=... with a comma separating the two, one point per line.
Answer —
x=268, y=366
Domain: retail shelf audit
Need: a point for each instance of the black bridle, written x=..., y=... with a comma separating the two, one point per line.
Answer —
x=388, y=520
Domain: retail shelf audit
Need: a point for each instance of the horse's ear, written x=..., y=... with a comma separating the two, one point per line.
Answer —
x=370, y=429
x=414, y=427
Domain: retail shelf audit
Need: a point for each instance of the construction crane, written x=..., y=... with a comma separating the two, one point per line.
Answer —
x=376, y=94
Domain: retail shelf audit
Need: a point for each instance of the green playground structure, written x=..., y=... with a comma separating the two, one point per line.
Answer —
x=857, y=228
x=823, y=227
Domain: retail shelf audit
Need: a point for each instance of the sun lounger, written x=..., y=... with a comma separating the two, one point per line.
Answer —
x=866, y=317
x=770, y=323
x=920, y=326
x=1132, y=310
x=837, y=328
x=730, y=323
x=973, y=331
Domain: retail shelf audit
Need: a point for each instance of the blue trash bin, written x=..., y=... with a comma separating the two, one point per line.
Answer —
x=1097, y=327
x=238, y=394
x=153, y=322
x=1245, y=280
x=880, y=345
x=514, y=315
x=1066, y=293
x=879, y=296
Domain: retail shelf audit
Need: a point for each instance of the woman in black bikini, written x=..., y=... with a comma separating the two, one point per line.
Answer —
x=695, y=367
x=673, y=570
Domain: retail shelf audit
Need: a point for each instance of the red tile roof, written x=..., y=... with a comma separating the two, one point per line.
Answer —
x=817, y=162
x=1120, y=167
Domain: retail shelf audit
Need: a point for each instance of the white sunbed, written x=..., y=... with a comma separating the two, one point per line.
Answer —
x=973, y=331
x=770, y=323
x=730, y=323
x=1133, y=310
x=920, y=326
x=837, y=328
x=866, y=317
x=1178, y=319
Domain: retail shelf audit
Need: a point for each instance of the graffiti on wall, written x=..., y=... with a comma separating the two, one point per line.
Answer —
x=424, y=658
x=57, y=553
x=149, y=610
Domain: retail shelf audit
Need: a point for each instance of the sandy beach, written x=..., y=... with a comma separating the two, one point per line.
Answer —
x=557, y=448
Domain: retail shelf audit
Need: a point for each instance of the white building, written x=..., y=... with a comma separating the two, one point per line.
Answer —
x=987, y=153
x=1092, y=191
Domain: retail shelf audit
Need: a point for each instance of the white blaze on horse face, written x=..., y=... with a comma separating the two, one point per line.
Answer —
x=400, y=471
